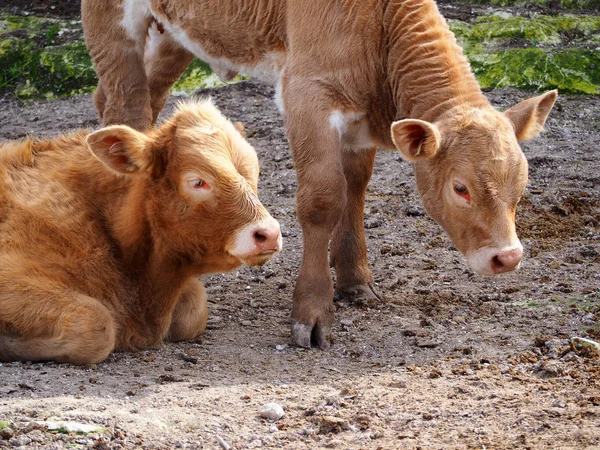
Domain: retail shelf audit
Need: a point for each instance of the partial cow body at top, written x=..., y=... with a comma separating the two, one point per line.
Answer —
x=103, y=235
x=351, y=76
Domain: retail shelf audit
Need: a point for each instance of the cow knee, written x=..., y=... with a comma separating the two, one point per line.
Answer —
x=321, y=204
x=190, y=315
x=91, y=339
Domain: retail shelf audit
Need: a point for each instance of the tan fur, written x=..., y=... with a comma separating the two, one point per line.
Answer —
x=94, y=259
x=353, y=75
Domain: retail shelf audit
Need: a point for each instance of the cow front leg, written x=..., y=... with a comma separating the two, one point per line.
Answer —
x=165, y=61
x=320, y=201
x=348, y=245
x=190, y=314
x=123, y=95
x=54, y=325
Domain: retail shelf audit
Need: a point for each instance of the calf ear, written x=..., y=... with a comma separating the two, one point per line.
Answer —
x=121, y=148
x=416, y=139
x=528, y=117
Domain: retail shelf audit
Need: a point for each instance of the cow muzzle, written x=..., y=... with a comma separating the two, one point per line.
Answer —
x=494, y=261
x=257, y=242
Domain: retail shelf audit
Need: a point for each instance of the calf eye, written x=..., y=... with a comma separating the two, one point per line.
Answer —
x=462, y=190
x=199, y=184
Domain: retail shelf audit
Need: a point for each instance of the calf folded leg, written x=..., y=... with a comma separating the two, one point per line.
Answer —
x=191, y=313
x=320, y=201
x=54, y=325
x=348, y=245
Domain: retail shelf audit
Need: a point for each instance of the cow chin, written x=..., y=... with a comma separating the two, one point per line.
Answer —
x=255, y=260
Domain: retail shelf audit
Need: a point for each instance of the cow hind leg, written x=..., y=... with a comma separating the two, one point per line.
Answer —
x=68, y=328
x=190, y=314
x=165, y=60
x=348, y=245
x=123, y=95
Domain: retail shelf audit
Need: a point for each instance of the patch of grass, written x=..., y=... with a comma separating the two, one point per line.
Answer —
x=4, y=424
x=52, y=32
x=585, y=303
x=528, y=304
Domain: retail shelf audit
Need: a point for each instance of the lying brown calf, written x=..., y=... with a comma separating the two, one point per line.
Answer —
x=350, y=76
x=103, y=235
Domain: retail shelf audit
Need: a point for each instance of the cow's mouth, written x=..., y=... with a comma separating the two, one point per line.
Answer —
x=258, y=259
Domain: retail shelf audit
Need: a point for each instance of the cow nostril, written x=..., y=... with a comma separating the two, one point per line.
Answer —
x=259, y=237
x=496, y=263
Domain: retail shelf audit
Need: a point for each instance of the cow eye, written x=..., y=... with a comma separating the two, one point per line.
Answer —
x=199, y=184
x=462, y=190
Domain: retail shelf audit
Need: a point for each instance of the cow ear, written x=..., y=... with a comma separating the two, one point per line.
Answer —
x=121, y=148
x=529, y=116
x=416, y=139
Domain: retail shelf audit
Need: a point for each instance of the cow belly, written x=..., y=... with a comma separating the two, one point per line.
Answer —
x=267, y=69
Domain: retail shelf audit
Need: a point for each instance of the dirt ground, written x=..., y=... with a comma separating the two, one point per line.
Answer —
x=448, y=359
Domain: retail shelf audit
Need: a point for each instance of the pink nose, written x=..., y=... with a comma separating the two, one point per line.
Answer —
x=507, y=260
x=267, y=238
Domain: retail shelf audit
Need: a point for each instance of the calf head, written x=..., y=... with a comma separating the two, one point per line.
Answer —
x=199, y=179
x=471, y=174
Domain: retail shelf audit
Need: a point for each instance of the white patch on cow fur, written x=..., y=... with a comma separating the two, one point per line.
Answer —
x=244, y=244
x=352, y=128
x=279, y=95
x=338, y=122
x=155, y=38
x=268, y=69
x=481, y=259
x=136, y=14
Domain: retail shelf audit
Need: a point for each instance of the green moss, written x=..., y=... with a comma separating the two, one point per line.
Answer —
x=539, y=30
x=197, y=75
x=28, y=23
x=4, y=424
x=564, y=4
x=65, y=70
x=17, y=57
x=572, y=71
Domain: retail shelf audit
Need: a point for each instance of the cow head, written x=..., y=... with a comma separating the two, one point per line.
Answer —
x=199, y=177
x=471, y=174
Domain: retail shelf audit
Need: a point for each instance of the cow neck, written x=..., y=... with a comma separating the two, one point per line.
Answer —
x=428, y=72
x=148, y=261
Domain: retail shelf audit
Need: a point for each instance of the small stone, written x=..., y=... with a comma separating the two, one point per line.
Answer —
x=331, y=424
x=75, y=427
x=414, y=211
x=271, y=411
x=571, y=357
x=6, y=433
x=36, y=435
x=20, y=441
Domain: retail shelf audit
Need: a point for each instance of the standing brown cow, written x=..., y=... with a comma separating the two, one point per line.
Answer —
x=350, y=76
x=103, y=235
